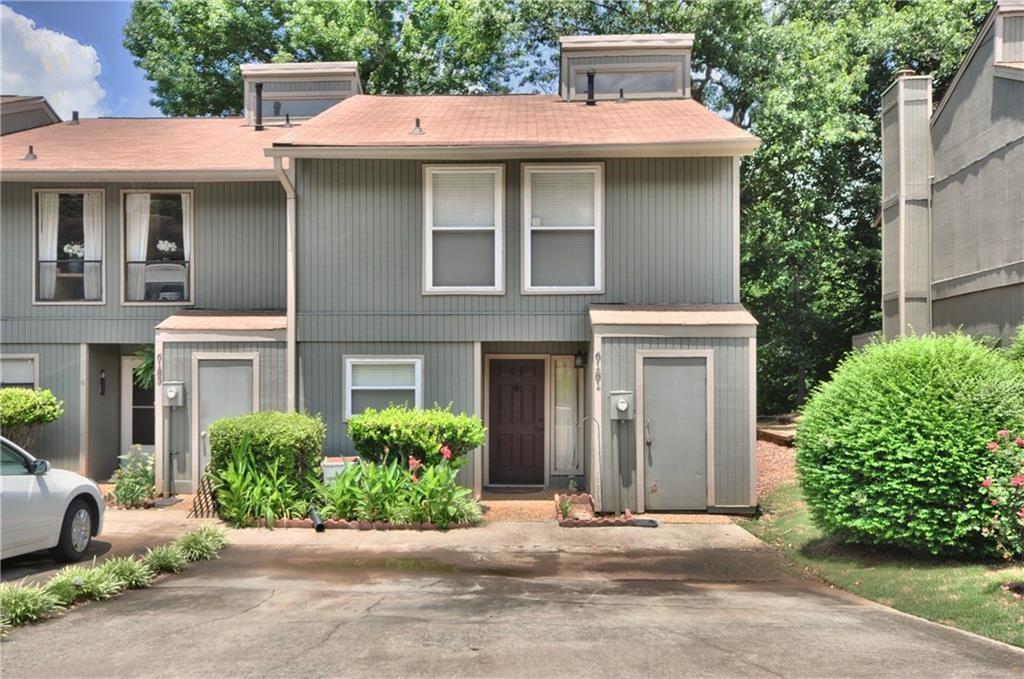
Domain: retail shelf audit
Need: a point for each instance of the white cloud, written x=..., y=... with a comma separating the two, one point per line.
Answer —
x=40, y=61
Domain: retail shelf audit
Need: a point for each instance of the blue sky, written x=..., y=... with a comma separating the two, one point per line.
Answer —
x=72, y=53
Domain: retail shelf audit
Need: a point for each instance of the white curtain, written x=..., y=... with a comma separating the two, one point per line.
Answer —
x=49, y=218
x=137, y=237
x=186, y=225
x=92, y=227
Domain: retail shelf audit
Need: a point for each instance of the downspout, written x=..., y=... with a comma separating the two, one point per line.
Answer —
x=287, y=181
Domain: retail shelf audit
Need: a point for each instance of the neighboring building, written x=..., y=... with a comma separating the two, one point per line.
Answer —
x=953, y=192
x=568, y=272
x=19, y=113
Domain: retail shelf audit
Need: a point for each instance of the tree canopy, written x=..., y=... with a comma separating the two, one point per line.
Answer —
x=806, y=76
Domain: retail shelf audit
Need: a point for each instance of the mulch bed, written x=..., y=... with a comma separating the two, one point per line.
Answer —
x=341, y=524
x=775, y=465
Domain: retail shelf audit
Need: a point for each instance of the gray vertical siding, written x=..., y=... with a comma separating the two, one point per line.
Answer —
x=23, y=120
x=995, y=312
x=669, y=239
x=732, y=418
x=238, y=254
x=104, y=412
x=177, y=367
x=59, y=371
x=1013, y=39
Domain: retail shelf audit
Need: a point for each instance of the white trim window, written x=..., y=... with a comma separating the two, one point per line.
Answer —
x=157, y=236
x=69, y=238
x=19, y=370
x=380, y=381
x=463, y=229
x=563, y=229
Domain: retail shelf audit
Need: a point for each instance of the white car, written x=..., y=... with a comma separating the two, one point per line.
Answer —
x=45, y=508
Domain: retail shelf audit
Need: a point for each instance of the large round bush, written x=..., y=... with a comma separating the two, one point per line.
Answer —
x=24, y=411
x=892, y=450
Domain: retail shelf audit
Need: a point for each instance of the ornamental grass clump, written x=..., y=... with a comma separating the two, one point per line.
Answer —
x=890, y=450
x=165, y=559
x=22, y=604
x=133, y=572
x=202, y=544
x=80, y=583
x=1003, y=487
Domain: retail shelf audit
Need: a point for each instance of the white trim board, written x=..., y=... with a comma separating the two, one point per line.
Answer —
x=155, y=176
x=349, y=360
x=35, y=247
x=26, y=357
x=122, y=238
x=709, y=362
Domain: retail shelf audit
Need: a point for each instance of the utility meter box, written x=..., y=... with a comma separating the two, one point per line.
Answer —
x=620, y=405
x=174, y=394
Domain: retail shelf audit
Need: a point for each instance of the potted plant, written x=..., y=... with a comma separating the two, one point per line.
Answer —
x=166, y=248
x=75, y=254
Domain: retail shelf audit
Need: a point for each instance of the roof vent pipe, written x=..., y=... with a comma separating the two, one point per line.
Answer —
x=590, y=89
x=30, y=155
x=622, y=96
x=287, y=119
x=74, y=118
x=417, y=130
x=259, y=107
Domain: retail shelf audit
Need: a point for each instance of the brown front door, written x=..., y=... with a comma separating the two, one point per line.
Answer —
x=515, y=446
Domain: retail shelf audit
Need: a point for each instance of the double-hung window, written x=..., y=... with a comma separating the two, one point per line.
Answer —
x=380, y=381
x=563, y=229
x=19, y=370
x=463, y=229
x=158, y=264
x=69, y=246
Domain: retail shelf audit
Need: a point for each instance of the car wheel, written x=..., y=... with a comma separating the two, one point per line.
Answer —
x=75, y=532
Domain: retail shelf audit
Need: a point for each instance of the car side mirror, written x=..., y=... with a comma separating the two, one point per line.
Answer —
x=39, y=467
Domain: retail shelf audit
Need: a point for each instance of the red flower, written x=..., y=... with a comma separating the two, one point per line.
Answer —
x=446, y=452
x=415, y=479
x=993, y=446
x=1003, y=433
x=1021, y=513
x=995, y=503
x=1019, y=442
x=413, y=463
x=1017, y=481
x=986, y=483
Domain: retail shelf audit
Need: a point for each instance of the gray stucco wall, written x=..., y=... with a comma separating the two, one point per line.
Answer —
x=238, y=254
x=59, y=370
x=669, y=239
x=733, y=446
x=177, y=366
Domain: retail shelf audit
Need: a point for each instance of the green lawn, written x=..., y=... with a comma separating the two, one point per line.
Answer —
x=958, y=593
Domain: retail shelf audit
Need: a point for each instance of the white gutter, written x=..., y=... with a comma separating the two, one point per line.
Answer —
x=17, y=174
x=287, y=181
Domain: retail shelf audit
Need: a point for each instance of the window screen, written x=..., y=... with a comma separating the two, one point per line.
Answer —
x=563, y=229
x=17, y=372
x=379, y=383
x=462, y=249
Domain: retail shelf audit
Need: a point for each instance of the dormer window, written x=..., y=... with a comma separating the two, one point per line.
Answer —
x=640, y=66
x=1009, y=41
x=298, y=91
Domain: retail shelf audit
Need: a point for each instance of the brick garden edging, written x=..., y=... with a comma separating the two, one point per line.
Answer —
x=341, y=524
x=584, y=504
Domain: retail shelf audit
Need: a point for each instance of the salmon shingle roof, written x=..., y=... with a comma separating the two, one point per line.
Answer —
x=515, y=121
x=141, y=145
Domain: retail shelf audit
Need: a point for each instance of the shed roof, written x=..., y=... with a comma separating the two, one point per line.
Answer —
x=225, y=320
x=100, y=146
x=514, y=123
x=687, y=315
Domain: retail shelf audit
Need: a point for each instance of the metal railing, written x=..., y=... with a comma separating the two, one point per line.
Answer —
x=68, y=279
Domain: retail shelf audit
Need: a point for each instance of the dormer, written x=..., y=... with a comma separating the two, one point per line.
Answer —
x=640, y=66
x=298, y=90
x=1009, y=39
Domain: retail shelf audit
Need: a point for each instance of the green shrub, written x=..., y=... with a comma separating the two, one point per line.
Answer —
x=78, y=583
x=388, y=492
x=21, y=604
x=1003, y=485
x=133, y=572
x=1015, y=352
x=294, y=440
x=202, y=544
x=246, y=492
x=431, y=436
x=891, y=450
x=165, y=559
x=134, y=481
x=24, y=411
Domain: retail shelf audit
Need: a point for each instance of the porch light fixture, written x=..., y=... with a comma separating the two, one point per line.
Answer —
x=417, y=130
x=580, y=359
x=103, y=383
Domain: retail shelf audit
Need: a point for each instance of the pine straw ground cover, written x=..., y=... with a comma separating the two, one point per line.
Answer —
x=965, y=594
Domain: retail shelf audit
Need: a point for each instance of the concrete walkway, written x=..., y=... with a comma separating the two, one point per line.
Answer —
x=506, y=600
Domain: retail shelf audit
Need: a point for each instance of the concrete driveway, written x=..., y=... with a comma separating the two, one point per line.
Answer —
x=504, y=600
